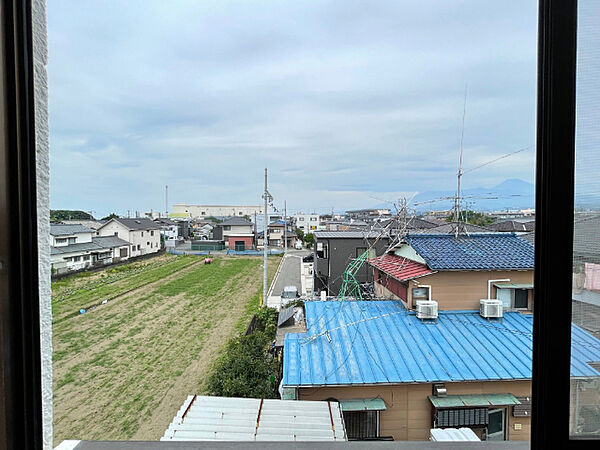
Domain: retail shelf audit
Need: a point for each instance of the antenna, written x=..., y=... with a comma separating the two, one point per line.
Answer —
x=459, y=174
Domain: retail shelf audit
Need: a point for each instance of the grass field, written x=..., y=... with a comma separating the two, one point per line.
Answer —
x=122, y=369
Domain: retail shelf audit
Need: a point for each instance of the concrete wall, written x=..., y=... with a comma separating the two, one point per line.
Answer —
x=409, y=413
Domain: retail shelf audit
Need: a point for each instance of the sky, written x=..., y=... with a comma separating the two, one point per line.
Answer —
x=347, y=103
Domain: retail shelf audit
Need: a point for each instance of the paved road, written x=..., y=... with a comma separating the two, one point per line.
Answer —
x=289, y=275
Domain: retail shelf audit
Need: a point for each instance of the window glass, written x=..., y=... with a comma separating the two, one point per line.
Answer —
x=585, y=388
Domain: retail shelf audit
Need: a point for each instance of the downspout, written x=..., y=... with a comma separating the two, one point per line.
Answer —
x=490, y=286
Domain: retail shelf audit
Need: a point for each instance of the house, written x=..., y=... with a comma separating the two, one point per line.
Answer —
x=461, y=370
x=277, y=236
x=514, y=226
x=93, y=224
x=368, y=214
x=203, y=418
x=142, y=234
x=308, y=223
x=457, y=272
x=75, y=247
x=334, y=250
x=169, y=230
x=237, y=232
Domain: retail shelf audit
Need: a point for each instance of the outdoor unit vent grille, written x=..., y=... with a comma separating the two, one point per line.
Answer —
x=490, y=308
x=427, y=309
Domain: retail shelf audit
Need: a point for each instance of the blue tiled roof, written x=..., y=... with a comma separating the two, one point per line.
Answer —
x=477, y=251
x=380, y=342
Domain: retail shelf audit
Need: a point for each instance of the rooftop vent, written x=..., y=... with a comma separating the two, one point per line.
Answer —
x=427, y=309
x=490, y=308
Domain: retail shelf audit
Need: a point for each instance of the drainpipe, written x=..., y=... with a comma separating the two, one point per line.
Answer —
x=490, y=285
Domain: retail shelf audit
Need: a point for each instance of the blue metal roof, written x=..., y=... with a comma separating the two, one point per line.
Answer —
x=367, y=342
x=476, y=251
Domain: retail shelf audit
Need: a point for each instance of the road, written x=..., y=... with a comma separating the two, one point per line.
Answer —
x=289, y=275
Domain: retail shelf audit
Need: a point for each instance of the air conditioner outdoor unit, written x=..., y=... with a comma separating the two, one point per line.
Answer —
x=490, y=308
x=427, y=309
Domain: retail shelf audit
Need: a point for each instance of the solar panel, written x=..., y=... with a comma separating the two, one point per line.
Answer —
x=285, y=315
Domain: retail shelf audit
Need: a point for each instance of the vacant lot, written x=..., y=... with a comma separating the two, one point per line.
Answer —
x=122, y=369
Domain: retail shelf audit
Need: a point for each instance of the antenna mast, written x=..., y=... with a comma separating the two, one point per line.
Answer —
x=459, y=174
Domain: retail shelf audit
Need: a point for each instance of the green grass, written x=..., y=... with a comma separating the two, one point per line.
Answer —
x=127, y=354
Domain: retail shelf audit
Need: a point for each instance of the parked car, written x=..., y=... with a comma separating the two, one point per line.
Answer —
x=298, y=245
x=289, y=293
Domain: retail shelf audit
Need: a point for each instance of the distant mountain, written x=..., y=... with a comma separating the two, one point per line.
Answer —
x=510, y=194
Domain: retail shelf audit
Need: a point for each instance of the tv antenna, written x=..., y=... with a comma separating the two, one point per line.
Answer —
x=459, y=174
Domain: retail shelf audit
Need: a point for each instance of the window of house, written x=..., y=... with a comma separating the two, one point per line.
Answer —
x=152, y=233
x=361, y=425
x=123, y=252
x=138, y=247
x=227, y=227
x=61, y=240
x=76, y=258
x=72, y=240
x=86, y=257
x=420, y=293
x=133, y=248
x=142, y=234
x=116, y=233
x=322, y=250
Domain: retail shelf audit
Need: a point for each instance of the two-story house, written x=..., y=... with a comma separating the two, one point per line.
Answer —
x=277, y=236
x=334, y=250
x=308, y=223
x=457, y=272
x=237, y=232
x=142, y=234
x=75, y=247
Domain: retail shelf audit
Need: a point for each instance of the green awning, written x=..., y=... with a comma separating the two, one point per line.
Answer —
x=470, y=400
x=514, y=285
x=363, y=404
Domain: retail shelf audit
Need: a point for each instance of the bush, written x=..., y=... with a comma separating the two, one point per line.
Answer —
x=246, y=368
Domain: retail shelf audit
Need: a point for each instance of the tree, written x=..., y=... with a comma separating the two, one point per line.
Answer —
x=300, y=234
x=56, y=215
x=472, y=217
x=111, y=216
x=309, y=239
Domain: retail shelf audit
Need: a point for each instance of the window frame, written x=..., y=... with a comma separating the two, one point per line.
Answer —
x=21, y=410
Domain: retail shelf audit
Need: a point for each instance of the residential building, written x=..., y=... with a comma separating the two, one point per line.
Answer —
x=93, y=224
x=461, y=370
x=457, y=272
x=75, y=247
x=368, y=214
x=514, y=226
x=237, y=232
x=187, y=211
x=334, y=250
x=142, y=234
x=277, y=236
x=308, y=223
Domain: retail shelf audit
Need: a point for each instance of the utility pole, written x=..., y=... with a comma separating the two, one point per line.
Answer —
x=167, y=200
x=255, y=229
x=284, y=227
x=267, y=197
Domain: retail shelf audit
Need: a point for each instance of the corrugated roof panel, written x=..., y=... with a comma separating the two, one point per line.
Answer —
x=229, y=419
x=381, y=342
x=399, y=267
x=471, y=400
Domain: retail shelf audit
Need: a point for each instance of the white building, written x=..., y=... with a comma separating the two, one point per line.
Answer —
x=74, y=247
x=184, y=210
x=308, y=223
x=142, y=234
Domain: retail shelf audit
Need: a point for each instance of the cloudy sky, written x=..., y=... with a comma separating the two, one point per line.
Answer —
x=347, y=103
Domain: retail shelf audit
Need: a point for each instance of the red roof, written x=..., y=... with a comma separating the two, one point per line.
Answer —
x=399, y=267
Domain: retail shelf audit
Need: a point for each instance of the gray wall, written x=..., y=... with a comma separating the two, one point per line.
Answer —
x=341, y=253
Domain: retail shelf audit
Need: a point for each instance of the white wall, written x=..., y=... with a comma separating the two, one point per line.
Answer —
x=40, y=74
x=196, y=211
x=148, y=240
